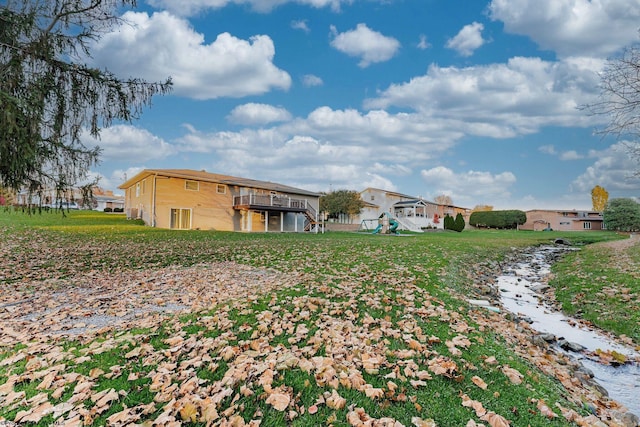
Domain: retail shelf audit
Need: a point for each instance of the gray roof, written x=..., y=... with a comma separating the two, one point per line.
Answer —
x=220, y=179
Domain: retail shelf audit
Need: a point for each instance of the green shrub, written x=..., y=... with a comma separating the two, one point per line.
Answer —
x=119, y=210
x=449, y=222
x=108, y=210
x=459, y=223
x=498, y=219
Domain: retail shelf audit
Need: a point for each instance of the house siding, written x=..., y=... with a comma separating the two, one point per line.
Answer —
x=160, y=195
x=378, y=201
x=209, y=209
x=538, y=220
x=138, y=200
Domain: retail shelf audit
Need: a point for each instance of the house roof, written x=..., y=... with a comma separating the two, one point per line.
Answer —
x=393, y=193
x=112, y=198
x=413, y=202
x=216, y=178
x=563, y=210
x=411, y=199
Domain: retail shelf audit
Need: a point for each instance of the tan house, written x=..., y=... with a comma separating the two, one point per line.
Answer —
x=563, y=220
x=187, y=199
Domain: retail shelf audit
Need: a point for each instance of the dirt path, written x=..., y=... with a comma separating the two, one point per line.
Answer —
x=634, y=239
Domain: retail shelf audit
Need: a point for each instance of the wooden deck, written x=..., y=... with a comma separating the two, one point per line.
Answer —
x=272, y=203
x=277, y=203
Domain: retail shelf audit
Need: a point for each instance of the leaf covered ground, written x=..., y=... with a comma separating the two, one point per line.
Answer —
x=107, y=322
x=601, y=284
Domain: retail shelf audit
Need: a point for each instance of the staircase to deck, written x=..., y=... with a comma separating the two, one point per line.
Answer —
x=311, y=219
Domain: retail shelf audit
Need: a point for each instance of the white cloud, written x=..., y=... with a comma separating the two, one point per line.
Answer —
x=571, y=155
x=346, y=148
x=468, y=188
x=500, y=100
x=612, y=169
x=571, y=27
x=392, y=137
x=344, y=135
x=467, y=40
x=423, y=43
x=192, y=7
x=162, y=45
x=300, y=25
x=565, y=155
x=124, y=142
x=370, y=46
x=548, y=149
x=112, y=181
x=310, y=80
x=258, y=114
x=396, y=169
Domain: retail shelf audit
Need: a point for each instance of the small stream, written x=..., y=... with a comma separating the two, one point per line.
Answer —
x=520, y=287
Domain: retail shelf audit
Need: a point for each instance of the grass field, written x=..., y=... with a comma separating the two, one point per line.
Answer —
x=602, y=286
x=344, y=329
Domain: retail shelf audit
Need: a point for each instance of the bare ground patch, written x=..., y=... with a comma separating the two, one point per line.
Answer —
x=97, y=301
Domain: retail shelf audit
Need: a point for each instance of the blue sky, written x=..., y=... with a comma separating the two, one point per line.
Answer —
x=477, y=100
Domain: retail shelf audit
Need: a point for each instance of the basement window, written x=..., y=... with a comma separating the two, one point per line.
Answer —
x=192, y=185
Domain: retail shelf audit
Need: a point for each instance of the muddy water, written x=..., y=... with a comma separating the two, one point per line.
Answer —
x=519, y=291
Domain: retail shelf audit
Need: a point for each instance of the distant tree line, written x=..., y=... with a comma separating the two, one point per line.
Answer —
x=498, y=219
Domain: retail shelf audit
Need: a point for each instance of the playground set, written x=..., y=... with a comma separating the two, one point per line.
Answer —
x=386, y=224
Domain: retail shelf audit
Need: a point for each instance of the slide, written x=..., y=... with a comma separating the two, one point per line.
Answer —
x=377, y=230
x=393, y=225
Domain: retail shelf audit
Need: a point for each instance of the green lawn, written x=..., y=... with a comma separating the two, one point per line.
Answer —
x=367, y=326
x=602, y=286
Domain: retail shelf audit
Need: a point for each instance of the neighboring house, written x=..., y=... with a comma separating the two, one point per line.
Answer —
x=377, y=202
x=189, y=199
x=413, y=213
x=453, y=211
x=106, y=199
x=563, y=220
x=49, y=198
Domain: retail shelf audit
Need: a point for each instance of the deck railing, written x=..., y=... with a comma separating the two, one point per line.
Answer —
x=272, y=201
x=281, y=202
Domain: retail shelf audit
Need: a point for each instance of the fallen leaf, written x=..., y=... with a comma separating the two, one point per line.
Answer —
x=210, y=413
x=373, y=393
x=491, y=360
x=279, y=401
x=514, y=376
x=335, y=401
x=479, y=382
x=419, y=422
x=473, y=404
x=105, y=398
x=189, y=412
x=34, y=415
x=545, y=410
x=495, y=420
